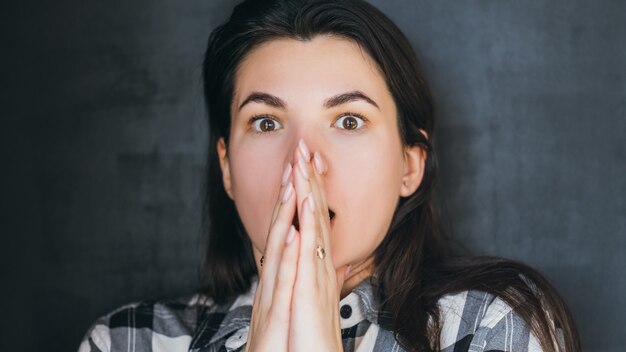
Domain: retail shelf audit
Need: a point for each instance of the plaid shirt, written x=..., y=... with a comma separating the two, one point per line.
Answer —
x=472, y=321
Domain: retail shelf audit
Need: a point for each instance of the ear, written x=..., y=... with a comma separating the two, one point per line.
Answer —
x=413, y=171
x=222, y=153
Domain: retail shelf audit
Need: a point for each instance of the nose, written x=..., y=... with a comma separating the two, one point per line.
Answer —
x=309, y=140
x=315, y=156
x=307, y=147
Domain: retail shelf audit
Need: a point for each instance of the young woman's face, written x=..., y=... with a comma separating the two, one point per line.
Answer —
x=365, y=158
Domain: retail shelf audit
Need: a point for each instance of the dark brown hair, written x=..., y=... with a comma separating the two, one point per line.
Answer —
x=414, y=264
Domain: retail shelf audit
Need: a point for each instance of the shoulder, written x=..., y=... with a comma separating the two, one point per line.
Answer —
x=166, y=323
x=480, y=321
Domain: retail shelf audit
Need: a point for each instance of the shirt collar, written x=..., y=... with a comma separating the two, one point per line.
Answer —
x=363, y=301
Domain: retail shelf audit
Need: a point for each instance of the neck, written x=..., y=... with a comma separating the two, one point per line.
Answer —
x=357, y=274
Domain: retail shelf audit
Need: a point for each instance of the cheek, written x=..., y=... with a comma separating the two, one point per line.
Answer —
x=255, y=184
x=367, y=188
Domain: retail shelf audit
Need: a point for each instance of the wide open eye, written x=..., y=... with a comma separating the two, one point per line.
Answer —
x=350, y=121
x=265, y=124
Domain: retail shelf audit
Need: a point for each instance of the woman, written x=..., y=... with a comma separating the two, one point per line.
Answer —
x=323, y=234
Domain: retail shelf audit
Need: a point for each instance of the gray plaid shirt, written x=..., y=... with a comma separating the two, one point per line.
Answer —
x=472, y=321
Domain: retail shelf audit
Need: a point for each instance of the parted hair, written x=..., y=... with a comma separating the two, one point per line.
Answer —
x=415, y=264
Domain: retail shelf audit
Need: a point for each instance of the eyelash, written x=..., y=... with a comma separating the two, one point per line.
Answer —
x=254, y=118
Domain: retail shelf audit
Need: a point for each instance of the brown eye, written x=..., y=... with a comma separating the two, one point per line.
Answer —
x=350, y=122
x=267, y=125
x=263, y=124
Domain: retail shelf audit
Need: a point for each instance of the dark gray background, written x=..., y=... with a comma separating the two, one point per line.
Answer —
x=104, y=140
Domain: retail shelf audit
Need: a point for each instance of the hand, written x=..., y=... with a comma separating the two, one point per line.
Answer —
x=315, y=299
x=269, y=325
x=294, y=282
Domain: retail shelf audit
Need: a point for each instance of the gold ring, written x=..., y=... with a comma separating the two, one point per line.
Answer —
x=320, y=252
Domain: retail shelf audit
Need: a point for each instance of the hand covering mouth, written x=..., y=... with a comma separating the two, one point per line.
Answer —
x=295, y=222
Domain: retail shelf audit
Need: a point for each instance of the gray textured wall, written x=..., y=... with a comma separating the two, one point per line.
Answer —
x=104, y=138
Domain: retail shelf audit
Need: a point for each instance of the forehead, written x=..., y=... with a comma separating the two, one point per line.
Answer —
x=309, y=69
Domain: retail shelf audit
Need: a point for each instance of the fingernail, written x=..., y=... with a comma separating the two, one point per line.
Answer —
x=304, y=150
x=291, y=234
x=319, y=164
x=303, y=168
x=286, y=174
x=347, y=270
x=310, y=202
x=287, y=193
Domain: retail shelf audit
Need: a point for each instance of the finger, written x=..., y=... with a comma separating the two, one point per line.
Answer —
x=286, y=190
x=286, y=277
x=317, y=187
x=276, y=241
x=308, y=233
x=326, y=268
x=321, y=224
x=301, y=175
x=285, y=178
x=310, y=184
x=312, y=171
x=321, y=169
x=307, y=266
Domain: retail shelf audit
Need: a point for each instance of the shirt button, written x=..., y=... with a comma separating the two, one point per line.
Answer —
x=345, y=311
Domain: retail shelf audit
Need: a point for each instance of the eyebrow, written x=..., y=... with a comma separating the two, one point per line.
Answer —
x=272, y=100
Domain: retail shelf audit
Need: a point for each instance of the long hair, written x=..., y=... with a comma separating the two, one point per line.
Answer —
x=414, y=264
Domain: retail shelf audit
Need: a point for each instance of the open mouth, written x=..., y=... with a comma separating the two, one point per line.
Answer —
x=331, y=215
